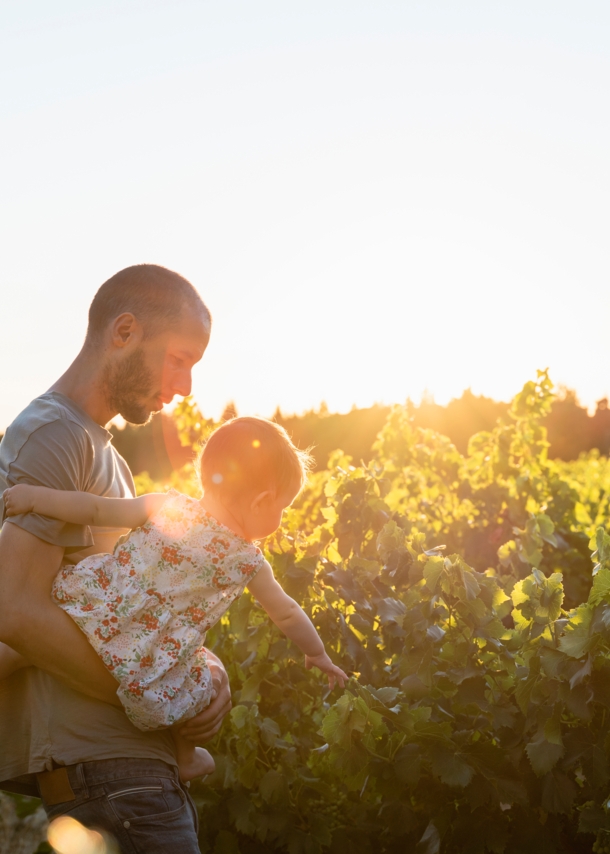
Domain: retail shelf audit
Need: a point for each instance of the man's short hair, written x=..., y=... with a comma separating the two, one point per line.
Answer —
x=155, y=295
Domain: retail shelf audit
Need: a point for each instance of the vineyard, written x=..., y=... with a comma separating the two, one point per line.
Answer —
x=461, y=593
x=469, y=598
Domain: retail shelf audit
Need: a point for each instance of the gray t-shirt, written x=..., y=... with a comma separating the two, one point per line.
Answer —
x=54, y=443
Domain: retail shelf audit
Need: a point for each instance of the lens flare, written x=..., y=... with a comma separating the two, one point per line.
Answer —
x=68, y=836
x=256, y=443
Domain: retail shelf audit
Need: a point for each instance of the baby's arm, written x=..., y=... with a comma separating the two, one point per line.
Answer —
x=294, y=623
x=81, y=508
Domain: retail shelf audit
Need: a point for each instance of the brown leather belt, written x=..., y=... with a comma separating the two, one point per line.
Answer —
x=55, y=787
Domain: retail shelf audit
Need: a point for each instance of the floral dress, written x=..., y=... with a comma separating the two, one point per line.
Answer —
x=146, y=608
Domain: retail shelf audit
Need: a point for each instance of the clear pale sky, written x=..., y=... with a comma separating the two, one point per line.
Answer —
x=375, y=198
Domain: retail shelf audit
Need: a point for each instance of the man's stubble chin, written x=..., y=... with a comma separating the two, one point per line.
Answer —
x=128, y=387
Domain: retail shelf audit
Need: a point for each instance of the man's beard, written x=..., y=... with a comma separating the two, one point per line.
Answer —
x=128, y=385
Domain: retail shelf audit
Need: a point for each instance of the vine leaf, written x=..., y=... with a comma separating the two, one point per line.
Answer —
x=543, y=755
x=430, y=843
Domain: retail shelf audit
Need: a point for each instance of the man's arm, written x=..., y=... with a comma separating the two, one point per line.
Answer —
x=34, y=626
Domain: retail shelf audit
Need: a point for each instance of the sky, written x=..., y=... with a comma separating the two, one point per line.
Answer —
x=377, y=200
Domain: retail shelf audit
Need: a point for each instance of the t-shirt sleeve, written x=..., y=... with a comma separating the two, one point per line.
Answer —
x=59, y=455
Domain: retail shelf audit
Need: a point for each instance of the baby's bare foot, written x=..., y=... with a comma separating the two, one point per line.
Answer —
x=198, y=764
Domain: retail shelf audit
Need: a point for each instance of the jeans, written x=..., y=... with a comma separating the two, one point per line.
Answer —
x=140, y=802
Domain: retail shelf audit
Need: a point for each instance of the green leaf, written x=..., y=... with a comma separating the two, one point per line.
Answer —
x=240, y=808
x=249, y=690
x=581, y=673
x=471, y=585
x=391, y=611
x=496, y=837
x=558, y=793
x=272, y=787
x=552, y=727
x=239, y=716
x=546, y=528
x=452, y=768
x=407, y=764
x=592, y=818
x=576, y=640
x=430, y=843
x=600, y=590
x=386, y=695
x=390, y=538
x=435, y=633
x=543, y=755
x=318, y=826
x=270, y=731
x=432, y=571
x=413, y=688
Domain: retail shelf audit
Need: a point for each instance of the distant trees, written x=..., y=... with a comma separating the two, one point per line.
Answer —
x=571, y=430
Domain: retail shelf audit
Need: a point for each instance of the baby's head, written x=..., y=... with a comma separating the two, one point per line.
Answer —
x=253, y=468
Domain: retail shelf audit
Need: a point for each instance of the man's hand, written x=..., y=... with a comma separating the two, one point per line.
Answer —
x=207, y=723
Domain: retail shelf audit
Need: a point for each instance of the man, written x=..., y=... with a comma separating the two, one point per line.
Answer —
x=63, y=733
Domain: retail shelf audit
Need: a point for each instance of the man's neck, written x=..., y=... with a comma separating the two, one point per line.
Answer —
x=82, y=383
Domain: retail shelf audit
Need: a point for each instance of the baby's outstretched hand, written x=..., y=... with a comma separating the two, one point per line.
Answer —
x=323, y=663
x=18, y=499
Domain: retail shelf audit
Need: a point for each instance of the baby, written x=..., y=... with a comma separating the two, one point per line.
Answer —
x=147, y=607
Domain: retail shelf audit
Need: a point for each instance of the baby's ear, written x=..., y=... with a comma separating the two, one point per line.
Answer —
x=261, y=499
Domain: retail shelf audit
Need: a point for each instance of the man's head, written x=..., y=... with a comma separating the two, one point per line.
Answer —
x=148, y=326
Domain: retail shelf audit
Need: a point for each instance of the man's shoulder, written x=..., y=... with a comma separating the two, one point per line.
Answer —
x=48, y=409
x=47, y=419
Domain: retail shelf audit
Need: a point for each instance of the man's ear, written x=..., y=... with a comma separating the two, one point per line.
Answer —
x=261, y=499
x=126, y=330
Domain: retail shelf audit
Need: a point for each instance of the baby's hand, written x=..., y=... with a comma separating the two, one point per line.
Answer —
x=18, y=499
x=323, y=663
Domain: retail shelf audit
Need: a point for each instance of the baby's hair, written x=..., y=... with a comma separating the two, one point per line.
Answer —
x=252, y=454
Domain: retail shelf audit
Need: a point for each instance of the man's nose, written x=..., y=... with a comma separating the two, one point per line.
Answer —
x=181, y=383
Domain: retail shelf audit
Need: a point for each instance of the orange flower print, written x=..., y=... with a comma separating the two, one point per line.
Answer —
x=123, y=557
x=146, y=661
x=149, y=621
x=157, y=595
x=171, y=646
x=106, y=632
x=135, y=688
x=102, y=578
x=170, y=554
x=62, y=597
x=247, y=568
x=195, y=615
x=196, y=674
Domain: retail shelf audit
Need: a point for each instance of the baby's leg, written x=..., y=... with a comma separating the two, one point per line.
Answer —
x=192, y=761
x=10, y=661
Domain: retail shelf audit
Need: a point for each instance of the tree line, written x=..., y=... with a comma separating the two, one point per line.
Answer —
x=156, y=448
